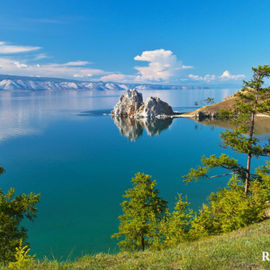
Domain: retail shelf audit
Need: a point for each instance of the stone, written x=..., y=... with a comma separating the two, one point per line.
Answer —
x=131, y=105
x=128, y=104
x=154, y=107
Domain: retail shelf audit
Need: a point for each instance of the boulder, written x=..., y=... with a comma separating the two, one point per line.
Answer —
x=128, y=104
x=154, y=107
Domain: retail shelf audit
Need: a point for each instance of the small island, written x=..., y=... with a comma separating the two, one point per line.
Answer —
x=131, y=105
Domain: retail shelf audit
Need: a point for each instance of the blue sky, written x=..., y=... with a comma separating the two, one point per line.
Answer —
x=140, y=41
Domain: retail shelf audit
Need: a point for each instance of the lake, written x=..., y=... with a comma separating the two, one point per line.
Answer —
x=65, y=146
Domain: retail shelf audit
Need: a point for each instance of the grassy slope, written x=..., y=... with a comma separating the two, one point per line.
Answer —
x=262, y=121
x=241, y=249
x=225, y=104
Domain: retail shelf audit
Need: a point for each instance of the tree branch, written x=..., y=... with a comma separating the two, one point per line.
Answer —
x=219, y=175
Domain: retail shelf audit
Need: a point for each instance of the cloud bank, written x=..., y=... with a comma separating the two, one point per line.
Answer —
x=5, y=48
x=157, y=66
x=225, y=76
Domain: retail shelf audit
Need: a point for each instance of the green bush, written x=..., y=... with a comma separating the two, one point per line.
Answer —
x=22, y=259
x=177, y=224
x=13, y=209
x=229, y=209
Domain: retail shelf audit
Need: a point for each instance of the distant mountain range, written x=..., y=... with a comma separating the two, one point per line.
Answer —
x=10, y=82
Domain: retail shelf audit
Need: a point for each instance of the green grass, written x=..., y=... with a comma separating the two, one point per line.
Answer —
x=241, y=249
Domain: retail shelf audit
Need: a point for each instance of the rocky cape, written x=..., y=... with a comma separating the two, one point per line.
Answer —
x=131, y=105
x=211, y=112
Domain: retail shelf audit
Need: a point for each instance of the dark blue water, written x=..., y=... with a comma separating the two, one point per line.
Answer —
x=66, y=147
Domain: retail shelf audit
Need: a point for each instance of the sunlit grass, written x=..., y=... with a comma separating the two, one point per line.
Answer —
x=241, y=249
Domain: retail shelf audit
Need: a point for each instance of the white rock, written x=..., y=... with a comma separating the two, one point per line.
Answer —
x=128, y=104
x=131, y=105
x=154, y=107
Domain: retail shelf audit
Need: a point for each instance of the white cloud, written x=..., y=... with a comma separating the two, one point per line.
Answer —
x=15, y=67
x=211, y=77
x=76, y=63
x=118, y=77
x=187, y=67
x=40, y=56
x=227, y=76
x=5, y=48
x=163, y=65
x=207, y=77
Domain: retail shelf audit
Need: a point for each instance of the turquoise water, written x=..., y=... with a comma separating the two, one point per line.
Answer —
x=63, y=146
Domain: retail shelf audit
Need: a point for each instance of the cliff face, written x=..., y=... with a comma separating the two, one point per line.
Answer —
x=131, y=105
x=128, y=104
x=154, y=107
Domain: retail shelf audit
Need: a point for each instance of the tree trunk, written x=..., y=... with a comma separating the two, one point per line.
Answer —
x=142, y=241
x=251, y=132
x=247, y=173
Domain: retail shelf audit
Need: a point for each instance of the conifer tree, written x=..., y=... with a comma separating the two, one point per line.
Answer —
x=142, y=211
x=13, y=209
x=251, y=100
x=176, y=225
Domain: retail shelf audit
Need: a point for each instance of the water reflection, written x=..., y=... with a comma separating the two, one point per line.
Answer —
x=262, y=125
x=133, y=128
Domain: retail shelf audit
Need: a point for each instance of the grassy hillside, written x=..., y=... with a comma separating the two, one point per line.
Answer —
x=262, y=121
x=241, y=249
x=226, y=104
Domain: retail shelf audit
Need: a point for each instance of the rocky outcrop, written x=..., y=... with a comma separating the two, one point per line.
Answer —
x=200, y=116
x=154, y=107
x=131, y=105
x=128, y=104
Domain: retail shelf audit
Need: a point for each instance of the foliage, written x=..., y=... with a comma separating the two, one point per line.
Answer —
x=2, y=170
x=225, y=114
x=209, y=100
x=13, y=209
x=240, y=249
x=22, y=259
x=230, y=209
x=250, y=100
x=143, y=209
x=264, y=176
x=178, y=223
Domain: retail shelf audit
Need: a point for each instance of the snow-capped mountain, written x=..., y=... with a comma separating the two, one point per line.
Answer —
x=10, y=82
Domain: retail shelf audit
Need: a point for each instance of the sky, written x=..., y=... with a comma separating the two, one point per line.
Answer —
x=143, y=41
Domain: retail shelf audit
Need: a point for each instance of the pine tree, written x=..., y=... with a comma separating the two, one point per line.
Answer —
x=176, y=226
x=143, y=209
x=251, y=100
x=13, y=209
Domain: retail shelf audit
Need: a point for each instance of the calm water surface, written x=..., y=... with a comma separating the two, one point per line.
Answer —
x=61, y=145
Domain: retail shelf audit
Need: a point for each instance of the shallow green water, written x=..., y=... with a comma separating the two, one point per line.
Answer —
x=81, y=163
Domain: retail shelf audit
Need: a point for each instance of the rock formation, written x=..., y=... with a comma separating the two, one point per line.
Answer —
x=154, y=107
x=131, y=105
x=128, y=104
